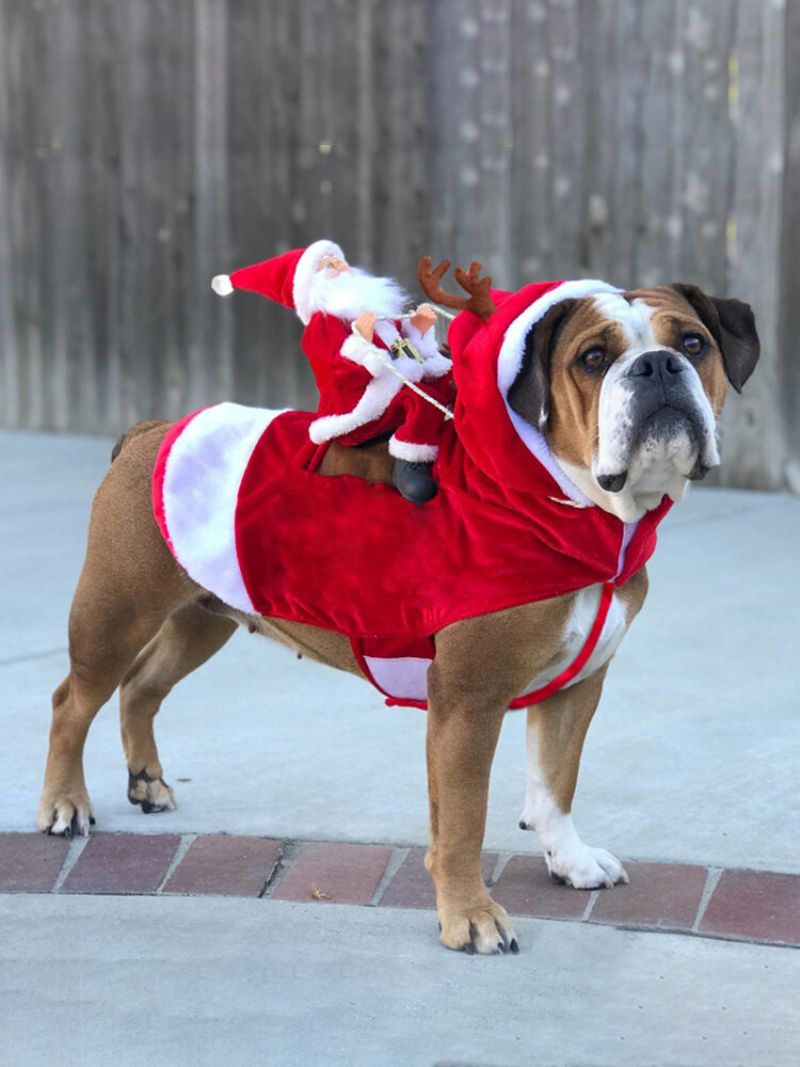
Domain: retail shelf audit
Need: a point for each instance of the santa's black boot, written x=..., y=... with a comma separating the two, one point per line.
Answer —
x=414, y=481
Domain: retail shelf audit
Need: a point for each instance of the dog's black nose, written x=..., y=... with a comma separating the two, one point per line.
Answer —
x=612, y=483
x=661, y=365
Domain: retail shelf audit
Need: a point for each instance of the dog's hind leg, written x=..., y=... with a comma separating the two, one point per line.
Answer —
x=189, y=637
x=103, y=642
x=129, y=584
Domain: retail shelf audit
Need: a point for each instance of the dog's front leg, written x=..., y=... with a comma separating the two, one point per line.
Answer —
x=556, y=732
x=460, y=746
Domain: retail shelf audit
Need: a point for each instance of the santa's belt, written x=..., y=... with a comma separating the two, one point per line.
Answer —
x=396, y=343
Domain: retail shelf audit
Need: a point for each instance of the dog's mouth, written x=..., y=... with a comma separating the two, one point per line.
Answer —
x=667, y=436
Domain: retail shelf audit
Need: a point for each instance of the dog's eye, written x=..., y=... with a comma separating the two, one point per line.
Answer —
x=694, y=344
x=594, y=359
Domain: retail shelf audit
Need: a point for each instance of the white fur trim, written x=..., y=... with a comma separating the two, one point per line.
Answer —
x=509, y=364
x=436, y=366
x=203, y=472
x=374, y=401
x=425, y=343
x=306, y=267
x=412, y=453
x=363, y=352
x=221, y=284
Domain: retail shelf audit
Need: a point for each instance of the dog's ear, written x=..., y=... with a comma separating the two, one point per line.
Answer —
x=733, y=326
x=529, y=395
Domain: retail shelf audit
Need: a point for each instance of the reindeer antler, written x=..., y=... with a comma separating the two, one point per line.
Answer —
x=479, y=300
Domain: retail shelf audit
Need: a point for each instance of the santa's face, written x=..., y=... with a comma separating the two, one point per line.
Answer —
x=345, y=292
x=333, y=265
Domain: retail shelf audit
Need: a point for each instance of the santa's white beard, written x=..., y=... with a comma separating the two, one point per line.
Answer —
x=347, y=294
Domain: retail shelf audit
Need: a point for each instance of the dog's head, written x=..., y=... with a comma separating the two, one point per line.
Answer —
x=627, y=388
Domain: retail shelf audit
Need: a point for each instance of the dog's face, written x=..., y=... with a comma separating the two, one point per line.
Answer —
x=628, y=388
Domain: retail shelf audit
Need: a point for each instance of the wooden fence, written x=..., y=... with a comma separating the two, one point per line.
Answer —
x=146, y=145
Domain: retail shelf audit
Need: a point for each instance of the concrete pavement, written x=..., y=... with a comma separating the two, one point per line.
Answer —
x=93, y=981
x=689, y=760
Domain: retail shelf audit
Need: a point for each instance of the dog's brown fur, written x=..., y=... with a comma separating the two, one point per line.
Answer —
x=137, y=621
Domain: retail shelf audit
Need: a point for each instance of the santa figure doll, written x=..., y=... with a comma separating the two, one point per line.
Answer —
x=363, y=351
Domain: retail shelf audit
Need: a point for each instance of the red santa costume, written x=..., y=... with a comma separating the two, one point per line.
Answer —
x=360, y=397
x=238, y=502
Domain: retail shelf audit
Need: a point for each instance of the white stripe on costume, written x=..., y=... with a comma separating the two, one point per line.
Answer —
x=203, y=472
x=404, y=677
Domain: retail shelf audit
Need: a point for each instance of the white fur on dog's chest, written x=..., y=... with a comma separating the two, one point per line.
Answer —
x=576, y=630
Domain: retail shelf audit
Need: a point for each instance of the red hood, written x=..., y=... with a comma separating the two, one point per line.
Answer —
x=486, y=360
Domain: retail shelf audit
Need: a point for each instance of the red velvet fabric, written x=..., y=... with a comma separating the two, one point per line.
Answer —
x=274, y=278
x=357, y=558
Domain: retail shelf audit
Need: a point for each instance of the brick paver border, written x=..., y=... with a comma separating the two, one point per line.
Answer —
x=762, y=907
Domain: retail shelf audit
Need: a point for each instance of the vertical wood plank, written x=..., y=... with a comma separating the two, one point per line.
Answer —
x=29, y=151
x=9, y=368
x=789, y=327
x=532, y=163
x=706, y=160
x=400, y=106
x=210, y=367
x=100, y=105
x=458, y=83
x=71, y=384
x=658, y=254
x=753, y=434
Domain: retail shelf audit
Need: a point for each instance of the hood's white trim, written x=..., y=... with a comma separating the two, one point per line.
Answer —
x=509, y=364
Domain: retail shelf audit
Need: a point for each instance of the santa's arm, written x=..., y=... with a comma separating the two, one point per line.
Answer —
x=338, y=354
x=359, y=346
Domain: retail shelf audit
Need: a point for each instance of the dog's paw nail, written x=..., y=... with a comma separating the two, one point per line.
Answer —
x=514, y=946
x=523, y=825
x=92, y=820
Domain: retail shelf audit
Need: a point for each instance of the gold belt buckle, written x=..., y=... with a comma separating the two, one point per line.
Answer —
x=403, y=347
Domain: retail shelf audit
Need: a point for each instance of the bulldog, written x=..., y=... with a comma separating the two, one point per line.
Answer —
x=613, y=396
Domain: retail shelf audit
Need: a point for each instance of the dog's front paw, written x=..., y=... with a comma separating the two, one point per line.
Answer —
x=65, y=814
x=151, y=794
x=482, y=927
x=584, y=867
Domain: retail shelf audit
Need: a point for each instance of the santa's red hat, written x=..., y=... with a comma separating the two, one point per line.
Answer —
x=285, y=279
x=487, y=357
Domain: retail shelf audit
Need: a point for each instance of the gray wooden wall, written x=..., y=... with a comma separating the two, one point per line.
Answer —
x=146, y=145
